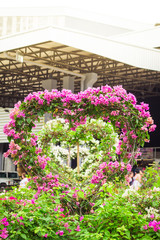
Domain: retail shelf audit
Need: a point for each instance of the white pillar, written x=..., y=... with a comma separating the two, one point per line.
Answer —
x=14, y=23
x=35, y=22
x=49, y=84
x=4, y=26
x=90, y=79
x=1, y=150
x=68, y=83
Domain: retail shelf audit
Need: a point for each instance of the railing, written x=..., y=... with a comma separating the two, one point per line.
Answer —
x=150, y=153
x=15, y=24
x=149, y=156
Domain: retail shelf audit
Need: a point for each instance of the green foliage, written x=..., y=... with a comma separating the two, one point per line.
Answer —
x=152, y=178
x=110, y=215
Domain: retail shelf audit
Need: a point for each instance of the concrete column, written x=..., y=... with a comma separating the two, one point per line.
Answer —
x=68, y=83
x=1, y=154
x=14, y=22
x=90, y=79
x=49, y=84
x=35, y=22
x=4, y=27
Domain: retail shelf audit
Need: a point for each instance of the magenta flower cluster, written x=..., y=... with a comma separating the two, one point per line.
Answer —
x=4, y=232
x=105, y=168
x=153, y=224
x=4, y=222
x=13, y=149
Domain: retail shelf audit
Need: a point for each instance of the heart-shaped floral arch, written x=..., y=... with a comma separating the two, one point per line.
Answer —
x=130, y=120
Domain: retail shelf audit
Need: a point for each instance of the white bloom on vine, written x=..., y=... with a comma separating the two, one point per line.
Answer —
x=151, y=211
x=156, y=189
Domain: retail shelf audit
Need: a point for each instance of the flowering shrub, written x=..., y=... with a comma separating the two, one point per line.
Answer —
x=107, y=171
x=57, y=207
x=78, y=214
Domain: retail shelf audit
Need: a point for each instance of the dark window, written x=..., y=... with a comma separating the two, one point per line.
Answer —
x=3, y=175
x=12, y=175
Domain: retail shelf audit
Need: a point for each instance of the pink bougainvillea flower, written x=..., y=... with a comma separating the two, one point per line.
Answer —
x=81, y=218
x=4, y=233
x=152, y=128
x=46, y=235
x=74, y=195
x=5, y=223
x=32, y=201
x=103, y=165
x=92, y=204
x=60, y=233
x=78, y=229
x=66, y=225
x=129, y=167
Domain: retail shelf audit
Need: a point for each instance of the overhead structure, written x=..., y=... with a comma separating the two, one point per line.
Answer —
x=72, y=50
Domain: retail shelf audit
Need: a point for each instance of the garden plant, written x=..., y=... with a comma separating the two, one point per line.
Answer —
x=61, y=205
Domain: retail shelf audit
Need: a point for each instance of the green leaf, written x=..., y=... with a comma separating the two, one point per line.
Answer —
x=9, y=138
x=29, y=120
x=23, y=236
x=81, y=194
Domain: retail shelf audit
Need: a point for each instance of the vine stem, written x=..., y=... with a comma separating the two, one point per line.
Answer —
x=69, y=156
x=78, y=157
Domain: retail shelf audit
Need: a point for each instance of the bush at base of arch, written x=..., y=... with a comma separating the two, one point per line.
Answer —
x=111, y=215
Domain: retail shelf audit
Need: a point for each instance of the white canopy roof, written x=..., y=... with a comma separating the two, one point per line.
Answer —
x=127, y=42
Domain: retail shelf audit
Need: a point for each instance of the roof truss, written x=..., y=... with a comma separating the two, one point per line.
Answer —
x=19, y=79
